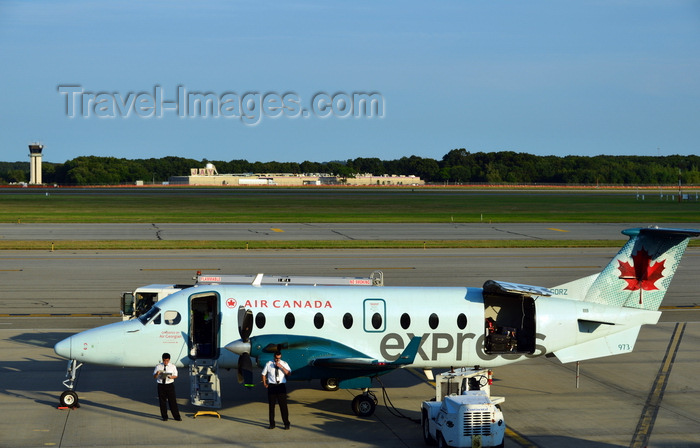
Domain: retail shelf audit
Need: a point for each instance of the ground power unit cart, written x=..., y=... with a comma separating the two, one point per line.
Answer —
x=463, y=413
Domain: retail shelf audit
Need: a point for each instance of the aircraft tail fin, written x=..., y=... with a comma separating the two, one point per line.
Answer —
x=641, y=272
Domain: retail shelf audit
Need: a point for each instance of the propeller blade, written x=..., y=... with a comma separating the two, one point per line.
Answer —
x=245, y=323
x=245, y=370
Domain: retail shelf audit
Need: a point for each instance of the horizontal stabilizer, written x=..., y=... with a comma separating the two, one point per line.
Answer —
x=615, y=344
x=663, y=232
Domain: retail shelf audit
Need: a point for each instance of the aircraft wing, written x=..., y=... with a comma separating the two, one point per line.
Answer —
x=406, y=357
x=312, y=357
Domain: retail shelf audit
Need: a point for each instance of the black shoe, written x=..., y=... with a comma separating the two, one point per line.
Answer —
x=286, y=426
x=178, y=419
x=271, y=427
x=165, y=419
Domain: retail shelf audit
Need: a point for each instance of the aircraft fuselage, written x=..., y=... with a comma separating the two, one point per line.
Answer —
x=377, y=322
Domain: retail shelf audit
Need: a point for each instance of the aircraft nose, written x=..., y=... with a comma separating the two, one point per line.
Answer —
x=63, y=348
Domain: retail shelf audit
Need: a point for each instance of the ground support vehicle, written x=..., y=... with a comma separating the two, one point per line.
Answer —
x=142, y=299
x=463, y=413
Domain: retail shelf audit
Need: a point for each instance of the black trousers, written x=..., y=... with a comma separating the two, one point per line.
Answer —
x=166, y=394
x=277, y=393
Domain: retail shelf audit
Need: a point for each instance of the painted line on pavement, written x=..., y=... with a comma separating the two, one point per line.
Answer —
x=642, y=434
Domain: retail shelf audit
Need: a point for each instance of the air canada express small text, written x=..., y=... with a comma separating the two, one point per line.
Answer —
x=249, y=107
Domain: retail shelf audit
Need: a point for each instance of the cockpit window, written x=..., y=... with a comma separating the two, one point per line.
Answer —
x=146, y=318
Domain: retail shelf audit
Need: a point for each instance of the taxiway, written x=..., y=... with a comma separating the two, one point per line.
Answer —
x=650, y=397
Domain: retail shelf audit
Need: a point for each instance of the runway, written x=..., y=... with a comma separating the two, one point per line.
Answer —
x=620, y=401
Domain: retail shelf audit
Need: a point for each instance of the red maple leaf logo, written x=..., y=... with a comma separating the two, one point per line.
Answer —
x=642, y=275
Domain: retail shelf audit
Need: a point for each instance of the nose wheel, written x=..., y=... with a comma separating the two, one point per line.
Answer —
x=69, y=398
x=364, y=405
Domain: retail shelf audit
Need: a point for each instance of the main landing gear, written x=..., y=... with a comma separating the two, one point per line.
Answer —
x=330, y=384
x=69, y=398
x=364, y=405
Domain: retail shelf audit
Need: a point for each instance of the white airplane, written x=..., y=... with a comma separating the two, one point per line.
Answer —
x=347, y=335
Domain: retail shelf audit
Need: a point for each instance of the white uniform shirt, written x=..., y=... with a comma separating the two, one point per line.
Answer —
x=170, y=368
x=275, y=375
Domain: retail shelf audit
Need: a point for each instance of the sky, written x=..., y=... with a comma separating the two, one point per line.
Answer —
x=325, y=80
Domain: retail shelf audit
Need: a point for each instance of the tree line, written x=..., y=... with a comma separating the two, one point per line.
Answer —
x=458, y=166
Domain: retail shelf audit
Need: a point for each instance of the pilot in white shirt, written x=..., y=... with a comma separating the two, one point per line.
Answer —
x=165, y=374
x=274, y=377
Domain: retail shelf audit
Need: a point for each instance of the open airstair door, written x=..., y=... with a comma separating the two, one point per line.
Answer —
x=204, y=383
x=509, y=314
x=204, y=352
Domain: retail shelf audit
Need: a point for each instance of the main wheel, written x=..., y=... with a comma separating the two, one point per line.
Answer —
x=330, y=384
x=69, y=399
x=363, y=406
x=427, y=438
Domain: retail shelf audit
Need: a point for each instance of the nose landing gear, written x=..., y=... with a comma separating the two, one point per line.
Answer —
x=69, y=398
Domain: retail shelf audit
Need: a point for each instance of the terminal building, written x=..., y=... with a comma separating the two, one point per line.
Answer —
x=210, y=177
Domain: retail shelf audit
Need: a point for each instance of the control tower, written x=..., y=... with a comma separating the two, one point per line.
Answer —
x=35, y=163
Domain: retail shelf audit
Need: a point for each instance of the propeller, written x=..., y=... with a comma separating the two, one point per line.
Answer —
x=245, y=364
x=245, y=323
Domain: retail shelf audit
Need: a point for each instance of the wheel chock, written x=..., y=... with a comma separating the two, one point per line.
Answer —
x=212, y=413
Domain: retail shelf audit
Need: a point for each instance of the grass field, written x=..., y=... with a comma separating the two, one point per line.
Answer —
x=347, y=205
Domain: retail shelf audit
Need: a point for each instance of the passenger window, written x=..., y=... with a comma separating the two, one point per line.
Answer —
x=377, y=321
x=260, y=320
x=433, y=321
x=289, y=320
x=318, y=320
x=347, y=321
x=462, y=321
x=171, y=317
x=405, y=321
